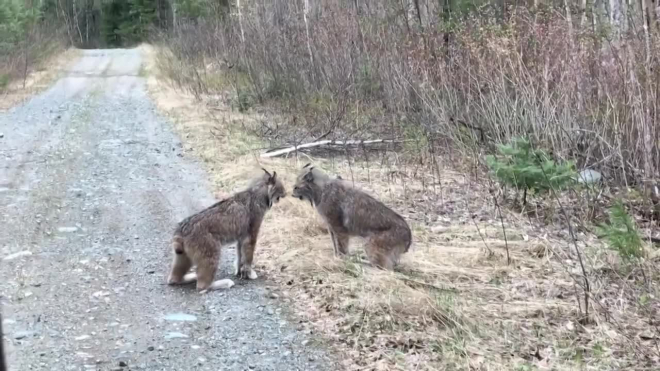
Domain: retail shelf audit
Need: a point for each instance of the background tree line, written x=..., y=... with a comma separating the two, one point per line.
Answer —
x=578, y=76
x=31, y=30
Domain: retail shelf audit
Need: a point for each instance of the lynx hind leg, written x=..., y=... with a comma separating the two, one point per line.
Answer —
x=378, y=258
x=206, y=273
x=207, y=258
x=382, y=253
x=181, y=264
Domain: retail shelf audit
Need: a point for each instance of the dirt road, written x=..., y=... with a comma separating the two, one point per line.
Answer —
x=92, y=183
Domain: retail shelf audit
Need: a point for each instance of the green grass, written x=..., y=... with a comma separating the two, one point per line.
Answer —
x=4, y=81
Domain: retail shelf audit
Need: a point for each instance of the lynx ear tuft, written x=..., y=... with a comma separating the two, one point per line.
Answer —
x=272, y=178
x=266, y=171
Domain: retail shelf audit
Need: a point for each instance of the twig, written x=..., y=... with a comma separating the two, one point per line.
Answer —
x=490, y=252
x=357, y=337
x=499, y=212
x=467, y=204
x=587, y=286
x=426, y=284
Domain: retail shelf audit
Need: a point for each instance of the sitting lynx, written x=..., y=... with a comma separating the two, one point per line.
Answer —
x=351, y=212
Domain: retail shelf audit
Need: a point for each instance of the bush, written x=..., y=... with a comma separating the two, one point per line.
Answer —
x=526, y=168
x=621, y=234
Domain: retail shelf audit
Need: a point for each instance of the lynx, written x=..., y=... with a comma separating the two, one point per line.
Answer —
x=199, y=238
x=351, y=212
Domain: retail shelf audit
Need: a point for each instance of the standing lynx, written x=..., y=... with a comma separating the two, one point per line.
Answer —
x=351, y=212
x=199, y=238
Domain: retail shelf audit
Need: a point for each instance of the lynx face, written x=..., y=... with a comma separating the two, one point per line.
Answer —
x=303, y=189
x=276, y=190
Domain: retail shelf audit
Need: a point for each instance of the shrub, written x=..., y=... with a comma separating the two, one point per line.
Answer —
x=621, y=233
x=521, y=166
x=4, y=81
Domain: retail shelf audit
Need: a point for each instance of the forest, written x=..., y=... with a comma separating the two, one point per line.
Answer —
x=579, y=76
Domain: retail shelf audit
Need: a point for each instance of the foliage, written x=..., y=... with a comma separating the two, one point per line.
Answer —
x=191, y=9
x=127, y=22
x=196, y=9
x=14, y=21
x=28, y=32
x=621, y=233
x=4, y=80
x=526, y=168
x=244, y=100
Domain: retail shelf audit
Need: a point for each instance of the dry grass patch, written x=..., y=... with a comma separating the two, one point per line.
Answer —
x=454, y=303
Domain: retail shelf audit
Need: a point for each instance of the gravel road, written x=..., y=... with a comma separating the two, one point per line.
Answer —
x=92, y=183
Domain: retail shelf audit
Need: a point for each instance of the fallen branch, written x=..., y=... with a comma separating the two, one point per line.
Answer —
x=327, y=143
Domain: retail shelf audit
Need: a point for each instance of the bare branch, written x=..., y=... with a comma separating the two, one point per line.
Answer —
x=345, y=143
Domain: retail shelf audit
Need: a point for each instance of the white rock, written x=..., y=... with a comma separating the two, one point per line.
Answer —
x=180, y=317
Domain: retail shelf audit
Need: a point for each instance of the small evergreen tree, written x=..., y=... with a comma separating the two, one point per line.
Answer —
x=621, y=233
x=520, y=166
x=14, y=21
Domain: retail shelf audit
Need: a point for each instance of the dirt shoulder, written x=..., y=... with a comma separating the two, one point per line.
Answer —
x=38, y=79
x=455, y=303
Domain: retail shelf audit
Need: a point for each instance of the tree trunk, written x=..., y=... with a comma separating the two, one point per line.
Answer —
x=647, y=136
x=76, y=23
x=240, y=20
x=309, y=42
x=446, y=16
x=173, y=5
x=418, y=10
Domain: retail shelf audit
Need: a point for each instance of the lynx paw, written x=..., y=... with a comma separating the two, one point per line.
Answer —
x=222, y=284
x=190, y=277
x=187, y=278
